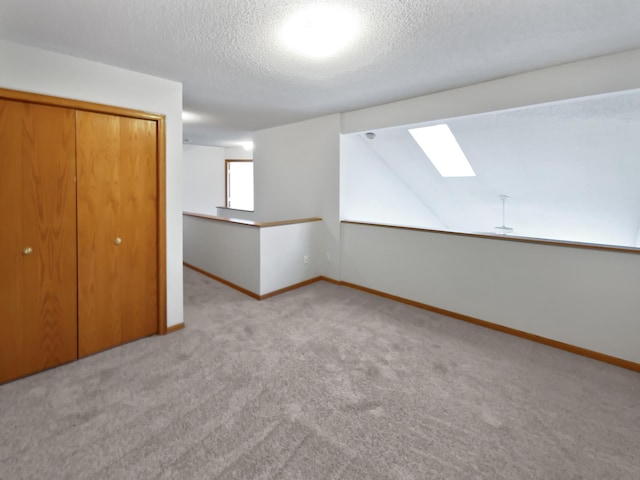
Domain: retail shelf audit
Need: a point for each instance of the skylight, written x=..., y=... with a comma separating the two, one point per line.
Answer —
x=441, y=147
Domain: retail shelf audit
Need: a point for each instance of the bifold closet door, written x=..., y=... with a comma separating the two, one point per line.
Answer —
x=117, y=230
x=38, y=240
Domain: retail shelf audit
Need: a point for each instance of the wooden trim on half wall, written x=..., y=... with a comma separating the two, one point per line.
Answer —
x=251, y=223
x=506, y=238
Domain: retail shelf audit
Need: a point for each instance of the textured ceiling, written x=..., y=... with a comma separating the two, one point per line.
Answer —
x=237, y=76
x=570, y=168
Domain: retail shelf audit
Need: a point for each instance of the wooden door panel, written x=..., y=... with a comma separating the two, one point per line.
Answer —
x=138, y=222
x=11, y=245
x=40, y=326
x=117, y=199
x=97, y=142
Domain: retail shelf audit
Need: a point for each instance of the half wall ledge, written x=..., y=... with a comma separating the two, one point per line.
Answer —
x=251, y=223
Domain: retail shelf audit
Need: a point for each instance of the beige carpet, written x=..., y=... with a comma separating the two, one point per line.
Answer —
x=322, y=383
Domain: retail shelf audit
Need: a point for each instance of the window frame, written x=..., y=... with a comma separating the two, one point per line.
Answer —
x=227, y=164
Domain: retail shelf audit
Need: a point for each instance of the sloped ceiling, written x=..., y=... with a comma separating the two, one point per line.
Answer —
x=238, y=78
x=571, y=169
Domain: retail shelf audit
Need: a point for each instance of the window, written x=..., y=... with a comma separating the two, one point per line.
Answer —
x=239, y=184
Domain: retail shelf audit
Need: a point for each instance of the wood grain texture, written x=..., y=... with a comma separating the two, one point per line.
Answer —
x=251, y=223
x=117, y=198
x=11, y=243
x=295, y=286
x=174, y=328
x=223, y=281
x=161, y=218
x=39, y=99
x=255, y=295
x=37, y=208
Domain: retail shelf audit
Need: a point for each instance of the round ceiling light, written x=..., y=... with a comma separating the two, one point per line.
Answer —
x=320, y=31
x=190, y=116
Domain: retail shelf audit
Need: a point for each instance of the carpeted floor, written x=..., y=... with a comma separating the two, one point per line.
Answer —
x=326, y=383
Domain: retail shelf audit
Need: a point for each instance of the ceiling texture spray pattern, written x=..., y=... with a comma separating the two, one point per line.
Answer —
x=239, y=78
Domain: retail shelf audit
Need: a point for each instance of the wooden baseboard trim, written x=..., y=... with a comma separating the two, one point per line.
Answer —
x=289, y=288
x=330, y=280
x=222, y=280
x=619, y=362
x=175, y=328
x=266, y=295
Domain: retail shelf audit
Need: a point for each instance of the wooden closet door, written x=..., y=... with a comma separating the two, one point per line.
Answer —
x=117, y=230
x=38, y=240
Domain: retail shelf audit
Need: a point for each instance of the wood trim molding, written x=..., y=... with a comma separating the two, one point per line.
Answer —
x=222, y=280
x=290, y=288
x=76, y=104
x=174, y=328
x=289, y=222
x=554, y=243
x=255, y=295
x=250, y=223
x=161, y=188
x=161, y=184
x=619, y=362
x=330, y=280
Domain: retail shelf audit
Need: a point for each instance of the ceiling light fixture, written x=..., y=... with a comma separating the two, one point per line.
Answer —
x=248, y=146
x=190, y=116
x=320, y=31
x=439, y=144
x=503, y=229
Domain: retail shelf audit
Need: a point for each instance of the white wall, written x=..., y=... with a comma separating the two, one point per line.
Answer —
x=370, y=191
x=227, y=250
x=581, y=297
x=238, y=153
x=261, y=260
x=282, y=251
x=203, y=178
x=39, y=71
x=296, y=172
x=611, y=73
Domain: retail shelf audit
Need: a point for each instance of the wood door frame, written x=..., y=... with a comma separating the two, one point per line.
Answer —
x=160, y=175
x=227, y=163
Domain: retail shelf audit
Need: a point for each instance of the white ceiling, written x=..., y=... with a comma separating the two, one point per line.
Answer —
x=237, y=76
x=571, y=168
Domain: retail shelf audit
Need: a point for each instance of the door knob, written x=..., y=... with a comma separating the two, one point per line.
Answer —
x=27, y=251
x=117, y=241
